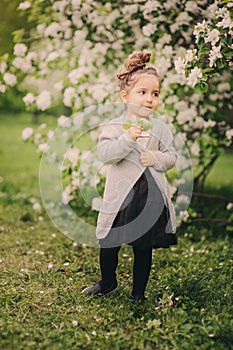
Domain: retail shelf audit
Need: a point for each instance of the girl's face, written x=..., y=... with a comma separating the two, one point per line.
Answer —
x=142, y=98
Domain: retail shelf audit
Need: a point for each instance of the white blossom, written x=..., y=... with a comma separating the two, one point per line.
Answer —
x=200, y=28
x=40, y=28
x=75, y=75
x=32, y=200
x=214, y=54
x=69, y=96
x=74, y=323
x=52, y=56
x=24, y=5
x=29, y=98
x=76, y=4
x=2, y=88
x=43, y=101
x=209, y=123
x=149, y=29
x=43, y=126
x=229, y=206
x=23, y=64
x=64, y=121
x=3, y=67
x=10, y=79
x=27, y=133
x=50, y=134
x=53, y=30
x=180, y=65
x=66, y=195
x=213, y=37
x=72, y=155
x=182, y=117
x=96, y=203
x=184, y=215
x=224, y=86
x=78, y=120
x=194, y=75
x=94, y=135
x=32, y=56
x=75, y=182
x=197, y=122
x=94, y=180
x=43, y=147
x=50, y=266
x=211, y=13
x=59, y=85
x=60, y=5
x=20, y=50
x=181, y=106
x=190, y=55
x=222, y=12
x=37, y=138
x=191, y=6
x=182, y=19
x=226, y=21
x=229, y=134
x=195, y=148
x=94, y=120
x=36, y=206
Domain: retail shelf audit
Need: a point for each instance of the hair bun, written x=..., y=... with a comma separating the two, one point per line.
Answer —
x=137, y=60
x=134, y=62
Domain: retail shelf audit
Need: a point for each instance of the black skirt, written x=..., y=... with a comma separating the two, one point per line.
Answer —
x=143, y=219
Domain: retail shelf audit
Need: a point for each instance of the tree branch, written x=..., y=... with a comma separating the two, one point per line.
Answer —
x=200, y=179
x=29, y=40
x=223, y=221
x=207, y=195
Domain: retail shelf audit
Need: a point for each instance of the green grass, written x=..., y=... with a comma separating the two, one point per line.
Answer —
x=42, y=273
x=221, y=174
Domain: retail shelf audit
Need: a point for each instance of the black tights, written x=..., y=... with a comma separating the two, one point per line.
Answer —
x=141, y=268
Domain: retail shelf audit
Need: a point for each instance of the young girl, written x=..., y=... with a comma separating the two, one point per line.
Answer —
x=137, y=209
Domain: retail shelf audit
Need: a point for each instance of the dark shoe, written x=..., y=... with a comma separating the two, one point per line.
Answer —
x=98, y=289
x=138, y=298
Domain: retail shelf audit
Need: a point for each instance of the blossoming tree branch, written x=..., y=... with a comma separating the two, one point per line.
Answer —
x=75, y=46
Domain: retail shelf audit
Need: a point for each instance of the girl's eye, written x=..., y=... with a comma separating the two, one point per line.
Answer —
x=142, y=92
x=155, y=94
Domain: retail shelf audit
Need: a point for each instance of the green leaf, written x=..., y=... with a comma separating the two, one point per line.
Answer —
x=220, y=64
x=227, y=51
x=217, y=75
x=201, y=87
x=223, y=30
x=227, y=40
x=200, y=43
x=18, y=35
x=208, y=70
x=203, y=51
x=127, y=124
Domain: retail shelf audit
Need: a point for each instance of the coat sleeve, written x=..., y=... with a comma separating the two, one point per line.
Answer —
x=113, y=145
x=165, y=155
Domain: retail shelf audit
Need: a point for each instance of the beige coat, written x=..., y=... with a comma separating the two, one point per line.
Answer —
x=116, y=148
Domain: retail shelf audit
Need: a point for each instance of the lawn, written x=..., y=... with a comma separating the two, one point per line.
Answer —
x=189, y=303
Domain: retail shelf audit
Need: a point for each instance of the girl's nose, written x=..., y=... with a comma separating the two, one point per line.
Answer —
x=149, y=98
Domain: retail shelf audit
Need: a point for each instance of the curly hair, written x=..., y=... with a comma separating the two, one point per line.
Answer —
x=134, y=65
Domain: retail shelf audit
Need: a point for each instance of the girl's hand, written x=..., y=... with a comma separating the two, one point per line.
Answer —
x=134, y=132
x=148, y=158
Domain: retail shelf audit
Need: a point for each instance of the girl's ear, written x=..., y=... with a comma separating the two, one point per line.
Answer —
x=124, y=95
